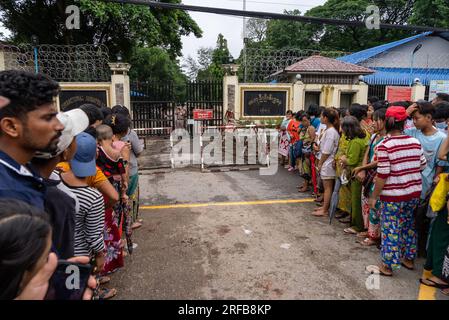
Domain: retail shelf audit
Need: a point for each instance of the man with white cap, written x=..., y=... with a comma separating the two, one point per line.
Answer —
x=60, y=203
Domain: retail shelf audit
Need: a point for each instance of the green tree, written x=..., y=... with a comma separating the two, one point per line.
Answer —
x=284, y=34
x=120, y=27
x=432, y=13
x=155, y=64
x=209, y=61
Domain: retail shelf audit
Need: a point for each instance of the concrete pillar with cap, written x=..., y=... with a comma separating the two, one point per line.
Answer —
x=120, y=87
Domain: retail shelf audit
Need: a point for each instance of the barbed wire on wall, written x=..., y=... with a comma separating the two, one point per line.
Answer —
x=64, y=63
x=261, y=63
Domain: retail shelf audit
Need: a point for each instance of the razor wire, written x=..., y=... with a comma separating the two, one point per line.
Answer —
x=64, y=63
x=261, y=63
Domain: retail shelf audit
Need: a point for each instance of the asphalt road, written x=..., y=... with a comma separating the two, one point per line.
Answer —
x=244, y=248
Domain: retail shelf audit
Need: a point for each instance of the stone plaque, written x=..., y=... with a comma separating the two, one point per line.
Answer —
x=71, y=99
x=264, y=103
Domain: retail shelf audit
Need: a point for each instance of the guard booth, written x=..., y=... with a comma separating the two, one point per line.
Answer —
x=314, y=80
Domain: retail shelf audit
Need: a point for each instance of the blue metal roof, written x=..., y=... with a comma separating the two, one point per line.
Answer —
x=401, y=76
x=371, y=52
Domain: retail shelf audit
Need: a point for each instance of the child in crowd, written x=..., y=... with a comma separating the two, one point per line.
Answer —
x=366, y=175
x=398, y=184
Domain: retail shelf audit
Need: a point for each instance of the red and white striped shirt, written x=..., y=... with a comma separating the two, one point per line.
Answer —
x=400, y=162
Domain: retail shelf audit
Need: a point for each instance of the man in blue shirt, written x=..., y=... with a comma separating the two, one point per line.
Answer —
x=28, y=124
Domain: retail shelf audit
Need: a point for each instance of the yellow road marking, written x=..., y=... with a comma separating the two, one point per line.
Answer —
x=426, y=292
x=223, y=204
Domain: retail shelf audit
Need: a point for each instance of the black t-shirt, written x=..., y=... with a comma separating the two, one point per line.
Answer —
x=61, y=209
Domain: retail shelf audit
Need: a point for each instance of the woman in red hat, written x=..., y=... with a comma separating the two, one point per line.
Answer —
x=398, y=184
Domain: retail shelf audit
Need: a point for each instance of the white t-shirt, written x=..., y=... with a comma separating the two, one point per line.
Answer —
x=320, y=130
x=329, y=145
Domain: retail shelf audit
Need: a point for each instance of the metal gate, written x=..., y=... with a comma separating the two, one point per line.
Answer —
x=205, y=95
x=152, y=105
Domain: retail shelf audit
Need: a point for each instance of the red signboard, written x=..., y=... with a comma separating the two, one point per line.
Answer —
x=395, y=94
x=203, y=114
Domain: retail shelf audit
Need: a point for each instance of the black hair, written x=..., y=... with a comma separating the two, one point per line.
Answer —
x=106, y=112
x=380, y=105
x=391, y=124
x=358, y=111
x=119, y=109
x=351, y=128
x=379, y=114
x=304, y=115
x=425, y=108
x=342, y=112
x=441, y=111
x=289, y=112
x=404, y=104
x=93, y=113
x=298, y=115
x=27, y=91
x=23, y=238
x=373, y=99
x=314, y=110
x=332, y=116
x=119, y=123
x=443, y=96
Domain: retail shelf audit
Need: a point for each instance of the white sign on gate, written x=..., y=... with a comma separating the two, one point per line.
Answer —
x=438, y=86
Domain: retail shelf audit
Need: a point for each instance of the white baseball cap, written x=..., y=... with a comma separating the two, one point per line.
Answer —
x=75, y=122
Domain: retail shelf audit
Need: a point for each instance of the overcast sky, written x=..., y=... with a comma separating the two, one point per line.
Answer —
x=232, y=27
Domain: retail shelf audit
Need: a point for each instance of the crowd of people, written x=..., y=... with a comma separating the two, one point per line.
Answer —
x=68, y=188
x=381, y=169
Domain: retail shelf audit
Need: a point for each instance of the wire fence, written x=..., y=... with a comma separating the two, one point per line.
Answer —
x=261, y=63
x=64, y=63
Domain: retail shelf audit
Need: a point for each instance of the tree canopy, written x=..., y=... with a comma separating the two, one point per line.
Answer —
x=120, y=27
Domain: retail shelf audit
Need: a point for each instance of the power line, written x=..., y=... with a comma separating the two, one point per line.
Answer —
x=280, y=3
x=268, y=15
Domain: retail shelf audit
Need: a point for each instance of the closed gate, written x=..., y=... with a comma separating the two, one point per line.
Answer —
x=154, y=105
x=206, y=95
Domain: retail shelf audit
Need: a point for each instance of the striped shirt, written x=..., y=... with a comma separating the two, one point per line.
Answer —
x=400, y=162
x=89, y=221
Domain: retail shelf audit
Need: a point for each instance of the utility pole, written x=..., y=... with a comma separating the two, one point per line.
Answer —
x=244, y=42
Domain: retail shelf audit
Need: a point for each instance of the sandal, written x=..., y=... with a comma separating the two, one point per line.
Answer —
x=302, y=189
x=445, y=292
x=341, y=215
x=407, y=267
x=345, y=220
x=363, y=234
x=377, y=270
x=105, y=294
x=367, y=242
x=350, y=231
x=103, y=279
x=434, y=284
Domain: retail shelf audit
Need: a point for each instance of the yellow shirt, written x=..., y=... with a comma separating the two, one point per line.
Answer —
x=94, y=181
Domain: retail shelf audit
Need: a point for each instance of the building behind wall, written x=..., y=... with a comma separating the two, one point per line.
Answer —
x=396, y=65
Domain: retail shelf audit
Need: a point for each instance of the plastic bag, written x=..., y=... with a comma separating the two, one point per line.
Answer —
x=438, y=198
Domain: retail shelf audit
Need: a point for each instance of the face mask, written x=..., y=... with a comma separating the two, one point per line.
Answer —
x=441, y=125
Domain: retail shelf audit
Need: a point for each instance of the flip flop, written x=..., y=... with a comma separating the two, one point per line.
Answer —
x=373, y=269
x=350, y=231
x=434, y=284
x=407, y=267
